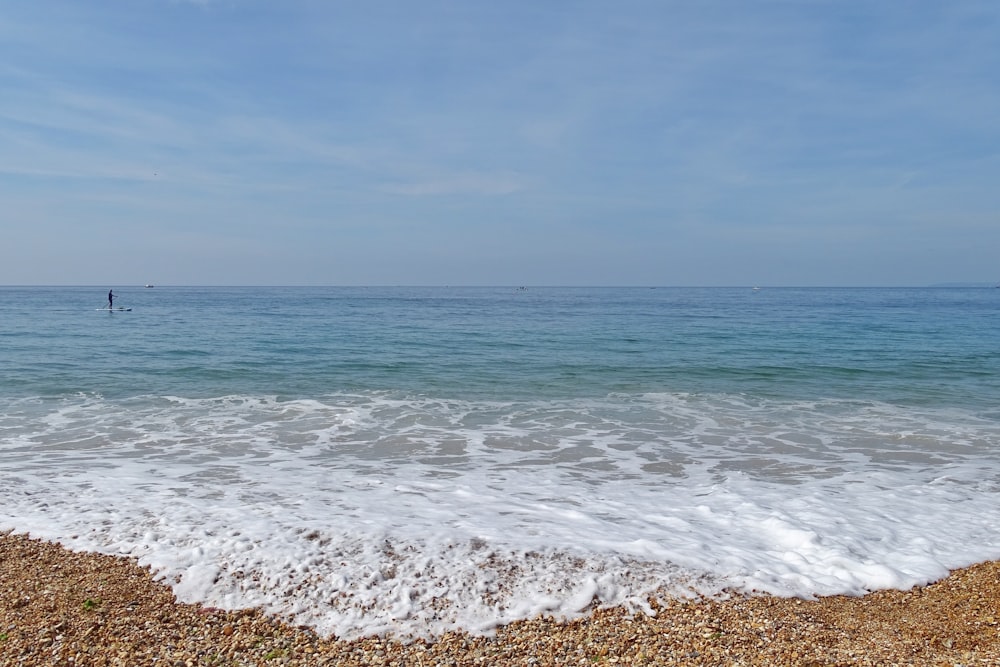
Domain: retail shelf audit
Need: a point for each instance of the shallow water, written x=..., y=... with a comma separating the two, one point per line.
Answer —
x=416, y=459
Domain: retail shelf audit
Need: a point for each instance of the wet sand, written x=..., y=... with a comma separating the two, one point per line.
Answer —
x=65, y=608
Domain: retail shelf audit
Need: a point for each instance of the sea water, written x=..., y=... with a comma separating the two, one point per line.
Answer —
x=412, y=460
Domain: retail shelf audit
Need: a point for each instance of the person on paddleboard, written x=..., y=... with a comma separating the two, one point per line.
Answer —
x=111, y=298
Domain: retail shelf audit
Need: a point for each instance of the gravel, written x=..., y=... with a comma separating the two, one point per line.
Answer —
x=59, y=607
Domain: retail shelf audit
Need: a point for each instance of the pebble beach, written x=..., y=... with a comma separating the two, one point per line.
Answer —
x=475, y=476
x=59, y=607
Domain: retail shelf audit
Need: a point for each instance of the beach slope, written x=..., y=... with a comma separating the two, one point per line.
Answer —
x=64, y=608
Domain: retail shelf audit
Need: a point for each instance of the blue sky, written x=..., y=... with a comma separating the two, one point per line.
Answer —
x=499, y=143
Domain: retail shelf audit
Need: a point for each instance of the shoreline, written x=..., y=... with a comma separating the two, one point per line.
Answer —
x=59, y=607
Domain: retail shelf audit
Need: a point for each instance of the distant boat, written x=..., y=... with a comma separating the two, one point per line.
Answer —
x=148, y=286
x=756, y=289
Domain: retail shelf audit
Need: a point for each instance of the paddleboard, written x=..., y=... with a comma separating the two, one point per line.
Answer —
x=113, y=310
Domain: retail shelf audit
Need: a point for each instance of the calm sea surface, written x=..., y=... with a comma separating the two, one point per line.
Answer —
x=364, y=453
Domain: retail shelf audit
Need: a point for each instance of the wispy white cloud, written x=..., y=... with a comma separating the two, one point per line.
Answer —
x=665, y=122
x=459, y=184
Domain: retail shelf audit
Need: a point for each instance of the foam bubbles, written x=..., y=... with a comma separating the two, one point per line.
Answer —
x=367, y=513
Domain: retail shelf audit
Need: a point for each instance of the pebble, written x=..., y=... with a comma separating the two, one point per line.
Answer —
x=43, y=588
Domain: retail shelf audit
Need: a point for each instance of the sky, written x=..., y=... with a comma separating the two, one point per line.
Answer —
x=466, y=142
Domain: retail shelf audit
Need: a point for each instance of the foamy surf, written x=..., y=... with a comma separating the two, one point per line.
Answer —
x=379, y=512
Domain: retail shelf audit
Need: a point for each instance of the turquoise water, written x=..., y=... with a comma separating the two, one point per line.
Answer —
x=364, y=453
x=907, y=346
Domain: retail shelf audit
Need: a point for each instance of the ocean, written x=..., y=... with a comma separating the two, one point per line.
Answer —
x=416, y=460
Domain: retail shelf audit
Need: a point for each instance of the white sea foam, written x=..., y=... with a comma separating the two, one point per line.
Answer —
x=380, y=513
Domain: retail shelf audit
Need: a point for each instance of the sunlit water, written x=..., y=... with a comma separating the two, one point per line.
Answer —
x=412, y=460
